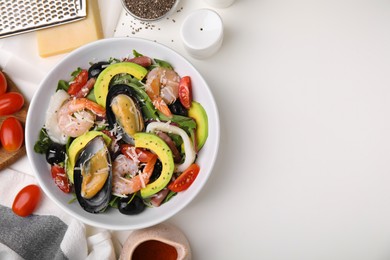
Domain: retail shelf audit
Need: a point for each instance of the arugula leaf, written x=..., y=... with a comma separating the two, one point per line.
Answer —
x=43, y=142
x=75, y=73
x=114, y=202
x=163, y=64
x=187, y=123
x=91, y=95
x=170, y=195
x=137, y=54
x=62, y=84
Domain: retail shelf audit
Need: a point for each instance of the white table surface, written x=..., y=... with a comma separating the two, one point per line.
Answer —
x=303, y=91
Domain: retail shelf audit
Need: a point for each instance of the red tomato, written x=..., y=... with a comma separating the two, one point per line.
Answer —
x=60, y=178
x=10, y=103
x=79, y=82
x=3, y=83
x=185, y=179
x=141, y=154
x=26, y=200
x=11, y=134
x=185, y=91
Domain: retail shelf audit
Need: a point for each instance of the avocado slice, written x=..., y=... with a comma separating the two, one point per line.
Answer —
x=164, y=153
x=103, y=81
x=198, y=113
x=77, y=145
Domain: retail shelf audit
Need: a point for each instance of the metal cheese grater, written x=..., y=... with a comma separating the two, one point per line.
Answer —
x=20, y=16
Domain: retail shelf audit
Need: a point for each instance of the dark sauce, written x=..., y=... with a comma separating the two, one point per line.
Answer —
x=153, y=249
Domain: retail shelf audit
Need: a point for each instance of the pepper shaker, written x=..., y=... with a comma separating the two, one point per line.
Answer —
x=202, y=33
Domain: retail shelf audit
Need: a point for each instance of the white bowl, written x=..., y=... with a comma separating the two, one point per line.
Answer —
x=103, y=50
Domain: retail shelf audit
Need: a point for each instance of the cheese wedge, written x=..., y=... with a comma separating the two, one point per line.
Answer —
x=67, y=37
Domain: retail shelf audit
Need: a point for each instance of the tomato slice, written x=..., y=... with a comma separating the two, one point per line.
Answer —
x=60, y=178
x=26, y=200
x=10, y=103
x=185, y=179
x=11, y=134
x=79, y=82
x=185, y=91
x=3, y=83
x=130, y=152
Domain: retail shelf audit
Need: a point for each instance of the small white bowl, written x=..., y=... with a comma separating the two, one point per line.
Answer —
x=104, y=50
x=202, y=33
x=128, y=10
x=164, y=233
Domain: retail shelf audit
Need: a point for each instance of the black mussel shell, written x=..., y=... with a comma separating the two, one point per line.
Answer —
x=114, y=91
x=96, y=147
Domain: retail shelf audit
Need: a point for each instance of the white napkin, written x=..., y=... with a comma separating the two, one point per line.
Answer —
x=54, y=234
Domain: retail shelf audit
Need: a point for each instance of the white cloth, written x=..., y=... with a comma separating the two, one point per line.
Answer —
x=73, y=241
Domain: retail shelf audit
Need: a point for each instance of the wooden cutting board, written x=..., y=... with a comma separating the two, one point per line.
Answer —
x=7, y=158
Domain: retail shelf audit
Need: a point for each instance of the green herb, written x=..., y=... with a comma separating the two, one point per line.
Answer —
x=131, y=199
x=62, y=84
x=170, y=195
x=113, y=60
x=73, y=199
x=75, y=73
x=91, y=95
x=163, y=64
x=137, y=54
x=43, y=143
x=176, y=139
x=114, y=202
x=187, y=123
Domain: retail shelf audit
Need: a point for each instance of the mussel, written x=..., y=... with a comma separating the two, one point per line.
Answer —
x=123, y=111
x=93, y=176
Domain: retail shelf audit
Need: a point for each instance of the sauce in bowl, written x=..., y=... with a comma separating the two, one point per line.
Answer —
x=154, y=249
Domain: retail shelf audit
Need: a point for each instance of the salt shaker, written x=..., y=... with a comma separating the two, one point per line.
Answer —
x=202, y=33
x=220, y=3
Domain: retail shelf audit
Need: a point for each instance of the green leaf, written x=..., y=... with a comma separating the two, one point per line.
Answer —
x=43, y=142
x=73, y=199
x=137, y=54
x=91, y=95
x=62, y=84
x=170, y=195
x=75, y=73
x=114, y=202
x=163, y=64
x=187, y=123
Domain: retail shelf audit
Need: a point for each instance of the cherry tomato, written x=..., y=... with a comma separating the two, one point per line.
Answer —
x=11, y=134
x=10, y=103
x=185, y=91
x=60, y=178
x=26, y=200
x=130, y=152
x=3, y=83
x=79, y=82
x=185, y=179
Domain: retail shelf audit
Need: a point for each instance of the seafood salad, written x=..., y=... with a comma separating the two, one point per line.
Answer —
x=123, y=133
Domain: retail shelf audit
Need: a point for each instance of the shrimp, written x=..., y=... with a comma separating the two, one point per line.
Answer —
x=162, y=86
x=77, y=116
x=123, y=165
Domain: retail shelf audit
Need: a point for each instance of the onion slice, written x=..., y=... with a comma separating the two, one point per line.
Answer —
x=188, y=146
x=51, y=124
